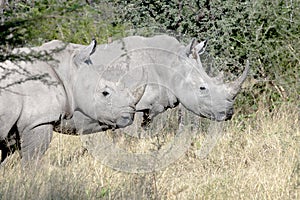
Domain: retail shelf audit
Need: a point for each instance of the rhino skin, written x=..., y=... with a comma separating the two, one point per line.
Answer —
x=35, y=96
x=175, y=75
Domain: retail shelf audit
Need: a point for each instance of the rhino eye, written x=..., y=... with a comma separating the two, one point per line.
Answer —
x=105, y=93
x=202, y=88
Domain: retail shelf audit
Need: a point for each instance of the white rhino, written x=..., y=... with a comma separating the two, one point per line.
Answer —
x=36, y=95
x=175, y=75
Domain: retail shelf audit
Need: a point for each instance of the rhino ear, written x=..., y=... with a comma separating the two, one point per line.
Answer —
x=84, y=54
x=195, y=47
x=189, y=48
x=200, y=47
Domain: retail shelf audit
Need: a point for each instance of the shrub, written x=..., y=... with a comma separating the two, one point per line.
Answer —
x=264, y=32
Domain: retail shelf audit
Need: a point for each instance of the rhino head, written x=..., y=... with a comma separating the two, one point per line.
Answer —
x=111, y=104
x=205, y=96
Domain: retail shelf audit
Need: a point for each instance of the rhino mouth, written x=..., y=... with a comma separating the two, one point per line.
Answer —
x=124, y=120
x=105, y=126
x=223, y=116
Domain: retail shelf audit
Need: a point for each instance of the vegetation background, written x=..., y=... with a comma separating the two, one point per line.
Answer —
x=259, y=154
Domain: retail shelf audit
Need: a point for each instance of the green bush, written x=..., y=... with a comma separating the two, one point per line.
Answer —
x=266, y=32
x=24, y=22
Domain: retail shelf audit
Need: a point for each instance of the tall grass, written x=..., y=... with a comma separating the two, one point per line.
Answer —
x=257, y=158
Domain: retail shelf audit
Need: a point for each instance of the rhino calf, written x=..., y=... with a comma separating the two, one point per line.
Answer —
x=34, y=96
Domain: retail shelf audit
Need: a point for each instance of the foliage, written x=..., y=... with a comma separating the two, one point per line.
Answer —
x=255, y=159
x=31, y=23
x=34, y=22
x=264, y=32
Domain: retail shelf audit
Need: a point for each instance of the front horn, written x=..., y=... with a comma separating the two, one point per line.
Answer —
x=236, y=86
x=136, y=80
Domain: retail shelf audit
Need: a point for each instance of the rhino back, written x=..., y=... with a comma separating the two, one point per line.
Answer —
x=33, y=87
x=124, y=55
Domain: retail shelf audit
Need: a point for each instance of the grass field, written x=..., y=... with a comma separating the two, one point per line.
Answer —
x=257, y=158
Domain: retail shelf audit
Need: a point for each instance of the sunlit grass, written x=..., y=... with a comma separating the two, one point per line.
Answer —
x=258, y=158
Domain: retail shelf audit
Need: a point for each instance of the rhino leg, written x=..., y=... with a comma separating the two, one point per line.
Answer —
x=35, y=142
x=5, y=152
x=10, y=144
x=8, y=127
x=149, y=114
x=146, y=120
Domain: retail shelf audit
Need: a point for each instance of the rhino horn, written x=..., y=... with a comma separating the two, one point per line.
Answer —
x=235, y=86
x=138, y=93
x=141, y=87
x=136, y=81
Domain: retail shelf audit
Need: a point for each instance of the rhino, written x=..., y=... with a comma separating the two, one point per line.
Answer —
x=175, y=75
x=37, y=95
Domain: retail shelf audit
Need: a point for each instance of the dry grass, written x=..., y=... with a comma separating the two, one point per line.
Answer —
x=258, y=158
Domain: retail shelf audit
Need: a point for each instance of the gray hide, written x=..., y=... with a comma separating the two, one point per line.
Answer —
x=36, y=95
x=175, y=74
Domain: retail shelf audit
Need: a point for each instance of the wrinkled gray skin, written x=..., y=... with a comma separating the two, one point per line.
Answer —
x=175, y=75
x=31, y=107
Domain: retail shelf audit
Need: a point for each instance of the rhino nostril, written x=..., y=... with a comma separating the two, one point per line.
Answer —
x=127, y=116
